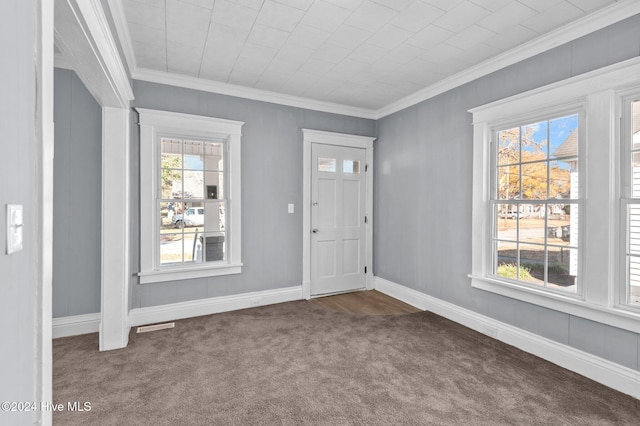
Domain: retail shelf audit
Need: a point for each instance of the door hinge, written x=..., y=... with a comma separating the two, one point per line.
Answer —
x=366, y=168
x=365, y=269
x=366, y=220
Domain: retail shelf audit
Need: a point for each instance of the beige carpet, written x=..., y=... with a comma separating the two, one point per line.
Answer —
x=299, y=363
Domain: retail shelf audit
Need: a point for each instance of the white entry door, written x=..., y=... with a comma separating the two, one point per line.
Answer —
x=338, y=238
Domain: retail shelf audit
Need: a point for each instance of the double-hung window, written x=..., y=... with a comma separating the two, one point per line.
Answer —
x=190, y=196
x=535, y=202
x=630, y=135
x=556, y=196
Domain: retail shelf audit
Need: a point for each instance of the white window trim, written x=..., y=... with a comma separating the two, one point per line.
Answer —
x=152, y=123
x=624, y=134
x=597, y=93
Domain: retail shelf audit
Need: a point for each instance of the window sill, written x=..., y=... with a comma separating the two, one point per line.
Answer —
x=572, y=305
x=179, y=274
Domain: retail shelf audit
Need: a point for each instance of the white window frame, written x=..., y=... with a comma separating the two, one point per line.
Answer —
x=598, y=95
x=626, y=197
x=153, y=124
x=562, y=110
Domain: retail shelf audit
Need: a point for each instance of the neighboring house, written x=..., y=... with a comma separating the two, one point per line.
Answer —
x=568, y=152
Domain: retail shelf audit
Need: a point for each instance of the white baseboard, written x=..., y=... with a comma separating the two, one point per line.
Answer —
x=76, y=325
x=618, y=377
x=214, y=305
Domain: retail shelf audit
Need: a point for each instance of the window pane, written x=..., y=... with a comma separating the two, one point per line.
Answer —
x=634, y=280
x=532, y=263
x=170, y=247
x=531, y=225
x=175, y=212
x=635, y=175
x=505, y=221
x=171, y=153
x=506, y=258
x=508, y=182
x=351, y=167
x=167, y=212
x=213, y=156
x=190, y=215
x=563, y=135
x=193, y=155
x=509, y=146
x=171, y=183
x=214, y=219
x=214, y=184
x=559, y=271
x=534, y=142
x=634, y=229
x=534, y=181
x=193, y=248
x=214, y=246
x=563, y=179
x=193, y=184
x=510, y=270
x=326, y=165
x=558, y=226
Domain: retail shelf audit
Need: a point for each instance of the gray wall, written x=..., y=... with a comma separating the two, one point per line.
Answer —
x=19, y=309
x=271, y=178
x=422, y=203
x=77, y=197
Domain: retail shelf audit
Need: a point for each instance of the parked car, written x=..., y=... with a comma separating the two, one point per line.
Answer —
x=511, y=214
x=194, y=216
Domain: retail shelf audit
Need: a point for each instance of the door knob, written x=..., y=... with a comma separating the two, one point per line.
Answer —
x=315, y=230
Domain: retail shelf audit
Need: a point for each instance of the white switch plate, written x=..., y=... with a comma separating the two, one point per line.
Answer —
x=291, y=209
x=14, y=228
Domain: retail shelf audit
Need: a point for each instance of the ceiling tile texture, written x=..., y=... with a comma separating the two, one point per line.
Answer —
x=361, y=53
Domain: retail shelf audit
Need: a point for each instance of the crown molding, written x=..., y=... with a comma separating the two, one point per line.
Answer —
x=154, y=76
x=595, y=21
x=122, y=29
x=195, y=83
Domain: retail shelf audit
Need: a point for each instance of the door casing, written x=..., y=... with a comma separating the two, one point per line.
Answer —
x=340, y=139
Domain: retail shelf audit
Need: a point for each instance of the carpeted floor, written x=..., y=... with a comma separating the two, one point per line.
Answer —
x=299, y=363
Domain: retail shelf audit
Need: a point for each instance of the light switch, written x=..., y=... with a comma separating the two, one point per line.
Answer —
x=14, y=228
x=291, y=209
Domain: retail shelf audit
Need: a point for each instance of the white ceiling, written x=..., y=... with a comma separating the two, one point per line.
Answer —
x=359, y=53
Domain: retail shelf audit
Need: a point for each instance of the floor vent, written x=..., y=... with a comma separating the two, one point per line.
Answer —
x=155, y=327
